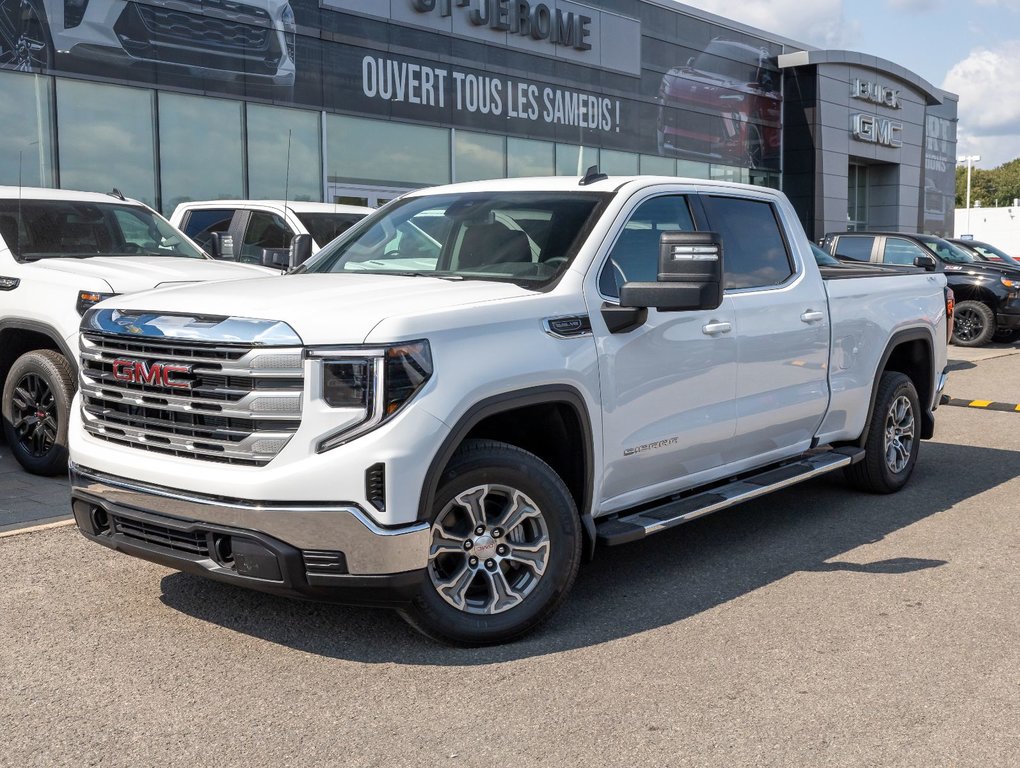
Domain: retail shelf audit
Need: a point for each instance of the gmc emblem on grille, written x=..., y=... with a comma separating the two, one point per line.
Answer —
x=158, y=374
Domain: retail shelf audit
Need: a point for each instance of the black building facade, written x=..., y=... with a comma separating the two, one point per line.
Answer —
x=357, y=100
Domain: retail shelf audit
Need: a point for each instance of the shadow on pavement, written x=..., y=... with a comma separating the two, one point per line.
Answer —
x=631, y=589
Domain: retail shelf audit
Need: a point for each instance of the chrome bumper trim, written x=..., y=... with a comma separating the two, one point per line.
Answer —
x=369, y=548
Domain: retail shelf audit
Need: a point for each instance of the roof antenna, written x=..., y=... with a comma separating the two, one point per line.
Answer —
x=117, y=194
x=591, y=176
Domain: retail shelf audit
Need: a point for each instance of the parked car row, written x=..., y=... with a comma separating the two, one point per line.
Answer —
x=987, y=291
x=62, y=251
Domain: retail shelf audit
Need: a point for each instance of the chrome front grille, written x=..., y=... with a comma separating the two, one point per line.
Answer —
x=213, y=402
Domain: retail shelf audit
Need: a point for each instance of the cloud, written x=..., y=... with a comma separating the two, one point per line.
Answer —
x=988, y=83
x=817, y=23
x=921, y=5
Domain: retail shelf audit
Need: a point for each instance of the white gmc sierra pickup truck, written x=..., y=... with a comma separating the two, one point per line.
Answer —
x=60, y=253
x=447, y=407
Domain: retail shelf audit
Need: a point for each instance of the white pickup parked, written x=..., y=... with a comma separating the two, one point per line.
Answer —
x=447, y=408
x=60, y=253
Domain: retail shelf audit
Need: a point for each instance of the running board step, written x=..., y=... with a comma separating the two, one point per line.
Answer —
x=623, y=530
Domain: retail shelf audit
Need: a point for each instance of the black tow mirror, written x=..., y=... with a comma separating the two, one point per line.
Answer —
x=300, y=249
x=221, y=246
x=926, y=262
x=690, y=275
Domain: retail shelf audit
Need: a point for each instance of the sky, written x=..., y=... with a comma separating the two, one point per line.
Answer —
x=968, y=47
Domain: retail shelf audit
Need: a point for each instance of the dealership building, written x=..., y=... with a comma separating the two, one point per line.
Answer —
x=359, y=100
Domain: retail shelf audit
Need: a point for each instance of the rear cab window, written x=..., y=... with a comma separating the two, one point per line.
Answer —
x=755, y=254
x=855, y=247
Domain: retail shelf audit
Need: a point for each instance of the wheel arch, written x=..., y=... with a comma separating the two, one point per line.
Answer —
x=565, y=442
x=909, y=352
x=20, y=336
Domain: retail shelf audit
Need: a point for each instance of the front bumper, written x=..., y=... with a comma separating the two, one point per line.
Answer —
x=322, y=552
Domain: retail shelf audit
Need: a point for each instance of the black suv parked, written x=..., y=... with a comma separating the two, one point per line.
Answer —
x=987, y=294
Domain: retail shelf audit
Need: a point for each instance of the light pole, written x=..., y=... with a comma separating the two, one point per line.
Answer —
x=969, y=160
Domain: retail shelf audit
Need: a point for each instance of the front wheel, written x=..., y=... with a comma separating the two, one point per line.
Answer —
x=36, y=403
x=973, y=324
x=24, y=37
x=893, y=437
x=506, y=547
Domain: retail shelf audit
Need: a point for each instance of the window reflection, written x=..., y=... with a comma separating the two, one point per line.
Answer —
x=479, y=156
x=268, y=175
x=197, y=163
x=26, y=144
x=381, y=152
x=106, y=139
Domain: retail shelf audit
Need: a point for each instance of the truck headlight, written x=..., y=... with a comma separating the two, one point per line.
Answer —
x=87, y=299
x=372, y=384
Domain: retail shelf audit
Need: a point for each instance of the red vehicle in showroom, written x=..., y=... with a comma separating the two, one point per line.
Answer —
x=723, y=106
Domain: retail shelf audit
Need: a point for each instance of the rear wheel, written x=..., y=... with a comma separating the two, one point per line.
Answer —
x=36, y=403
x=973, y=324
x=506, y=547
x=893, y=437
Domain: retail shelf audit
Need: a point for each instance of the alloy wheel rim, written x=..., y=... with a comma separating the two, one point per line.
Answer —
x=21, y=33
x=34, y=415
x=968, y=324
x=490, y=549
x=899, y=434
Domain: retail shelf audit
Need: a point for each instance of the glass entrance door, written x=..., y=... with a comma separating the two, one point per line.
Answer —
x=857, y=198
x=362, y=194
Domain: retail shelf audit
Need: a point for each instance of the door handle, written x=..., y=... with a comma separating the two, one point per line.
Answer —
x=812, y=316
x=711, y=329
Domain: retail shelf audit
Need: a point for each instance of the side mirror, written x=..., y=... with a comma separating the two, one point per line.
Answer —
x=276, y=258
x=300, y=249
x=221, y=246
x=690, y=275
x=926, y=262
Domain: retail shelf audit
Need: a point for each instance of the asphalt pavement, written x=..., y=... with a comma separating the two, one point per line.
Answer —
x=815, y=627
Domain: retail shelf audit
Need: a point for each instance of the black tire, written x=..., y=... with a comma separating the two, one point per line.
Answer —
x=36, y=402
x=889, y=457
x=973, y=324
x=513, y=480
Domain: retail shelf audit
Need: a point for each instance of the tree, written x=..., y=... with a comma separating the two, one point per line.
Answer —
x=999, y=186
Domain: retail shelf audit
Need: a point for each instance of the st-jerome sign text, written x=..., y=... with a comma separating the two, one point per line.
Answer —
x=520, y=17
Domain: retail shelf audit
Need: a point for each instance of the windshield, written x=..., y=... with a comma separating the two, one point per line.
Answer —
x=990, y=252
x=823, y=259
x=527, y=238
x=50, y=229
x=730, y=60
x=947, y=251
x=324, y=227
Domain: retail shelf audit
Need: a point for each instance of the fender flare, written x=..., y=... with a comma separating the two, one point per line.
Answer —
x=508, y=401
x=927, y=417
x=44, y=330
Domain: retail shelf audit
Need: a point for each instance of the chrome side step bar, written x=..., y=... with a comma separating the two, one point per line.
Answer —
x=638, y=525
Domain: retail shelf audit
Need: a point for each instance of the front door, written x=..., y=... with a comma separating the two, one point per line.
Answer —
x=669, y=385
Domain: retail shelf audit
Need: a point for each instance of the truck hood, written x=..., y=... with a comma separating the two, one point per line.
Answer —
x=321, y=308
x=127, y=274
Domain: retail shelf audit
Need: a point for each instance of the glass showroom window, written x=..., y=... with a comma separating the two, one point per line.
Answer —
x=381, y=152
x=197, y=163
x=617, y=163
x=527, y=157
x=105, y=139
x=268, y=175
x=657, y=166
x=572, y=160
x=26, y=141
x=478, y=156
x=692, y=169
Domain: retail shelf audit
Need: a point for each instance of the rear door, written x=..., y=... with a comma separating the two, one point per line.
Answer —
x=782, y=330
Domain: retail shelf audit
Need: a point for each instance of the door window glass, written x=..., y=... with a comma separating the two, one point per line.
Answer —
x=264, y=230
x=899, y=251
x=856, y=248
x=635, y=255
x=754, y=251
x=200, y=225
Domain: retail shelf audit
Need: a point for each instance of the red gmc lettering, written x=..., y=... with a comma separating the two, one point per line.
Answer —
x=159, y=374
